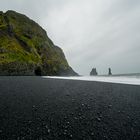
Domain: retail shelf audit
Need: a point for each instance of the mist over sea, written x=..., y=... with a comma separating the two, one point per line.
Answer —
x=131, y=75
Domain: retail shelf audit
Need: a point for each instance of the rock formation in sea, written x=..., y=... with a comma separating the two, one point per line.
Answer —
x=93, y=72
x=26, y=49
x=109, y=71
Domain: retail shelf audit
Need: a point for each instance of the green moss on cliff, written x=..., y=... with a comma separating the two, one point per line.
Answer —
x=23, y=43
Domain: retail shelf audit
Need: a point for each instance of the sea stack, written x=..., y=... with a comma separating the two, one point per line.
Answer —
x=109, y=71
x=93, y=72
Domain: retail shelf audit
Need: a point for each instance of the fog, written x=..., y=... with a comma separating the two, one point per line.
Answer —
x=92, y=33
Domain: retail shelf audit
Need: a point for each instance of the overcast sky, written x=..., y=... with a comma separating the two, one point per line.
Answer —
x=92, y=33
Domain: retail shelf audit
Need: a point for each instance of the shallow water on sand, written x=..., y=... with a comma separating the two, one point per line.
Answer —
x=132, y=79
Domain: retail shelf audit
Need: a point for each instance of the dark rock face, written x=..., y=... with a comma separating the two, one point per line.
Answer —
x=109, y=71
x=38, y=71
x=25, y=48
x=93, y=72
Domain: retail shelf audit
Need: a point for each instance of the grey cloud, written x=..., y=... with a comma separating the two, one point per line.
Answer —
x=92, y=33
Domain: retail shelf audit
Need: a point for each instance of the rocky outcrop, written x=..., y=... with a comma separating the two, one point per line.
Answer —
x=25, y=48
x=93, y=72
x=109, y=71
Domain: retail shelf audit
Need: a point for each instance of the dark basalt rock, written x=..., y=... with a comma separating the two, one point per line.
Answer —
x=25, y=48
x=93, y=72
x=109, y=71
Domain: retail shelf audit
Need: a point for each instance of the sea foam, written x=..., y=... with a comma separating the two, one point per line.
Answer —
x=132, y=80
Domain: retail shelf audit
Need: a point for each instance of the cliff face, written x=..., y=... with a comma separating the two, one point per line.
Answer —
x=25, y=48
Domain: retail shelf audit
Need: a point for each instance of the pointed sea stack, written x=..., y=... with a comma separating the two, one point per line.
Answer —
x=93, y=72
x=109, y=71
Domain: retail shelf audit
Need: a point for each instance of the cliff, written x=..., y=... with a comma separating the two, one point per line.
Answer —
x=25, y=48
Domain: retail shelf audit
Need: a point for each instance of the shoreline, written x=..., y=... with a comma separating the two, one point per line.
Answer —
x=107, y=79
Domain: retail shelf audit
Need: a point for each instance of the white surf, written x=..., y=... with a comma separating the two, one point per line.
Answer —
x=132, y=80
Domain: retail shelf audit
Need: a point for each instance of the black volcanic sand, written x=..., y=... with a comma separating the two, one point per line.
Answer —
x=33, y=108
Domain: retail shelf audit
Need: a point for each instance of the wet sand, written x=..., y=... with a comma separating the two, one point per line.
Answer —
x=33, y=108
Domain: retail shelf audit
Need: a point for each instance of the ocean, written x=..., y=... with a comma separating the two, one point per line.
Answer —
x=132, y=79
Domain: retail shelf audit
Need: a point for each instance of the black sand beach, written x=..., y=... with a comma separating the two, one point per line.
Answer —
x=33, y=108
